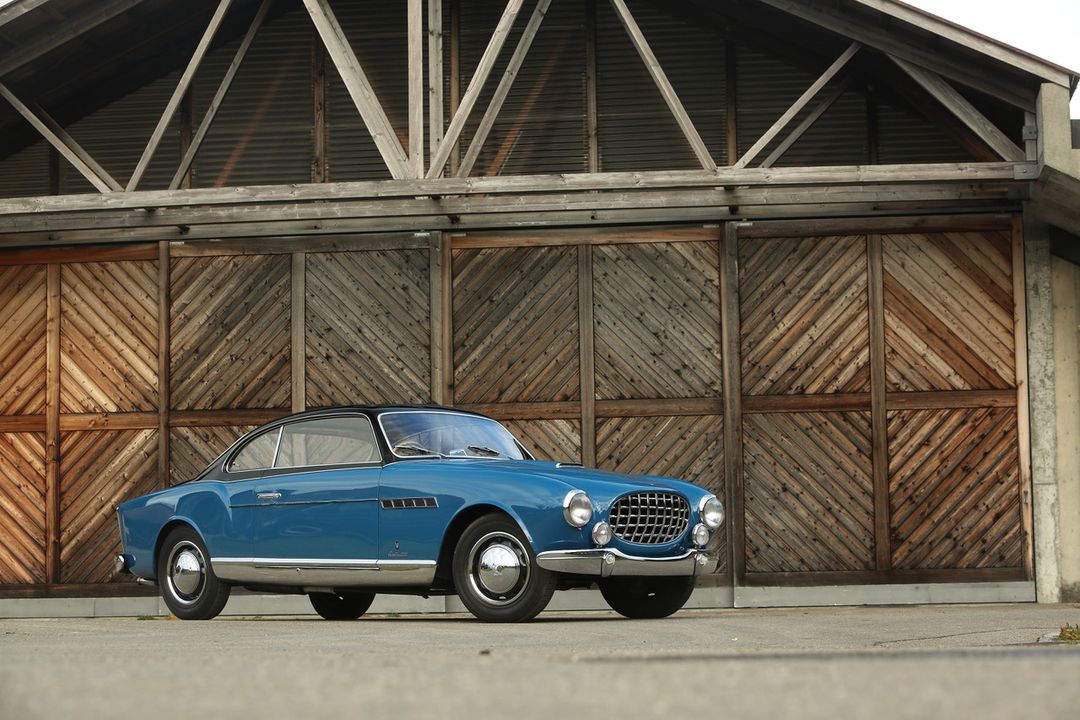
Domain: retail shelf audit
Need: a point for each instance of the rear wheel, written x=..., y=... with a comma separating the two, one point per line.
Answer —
x=647, y=597
x=341, y=606
x=187, y=581
x=496, y=574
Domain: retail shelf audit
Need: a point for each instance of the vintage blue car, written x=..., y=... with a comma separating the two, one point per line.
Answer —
x=341, y=504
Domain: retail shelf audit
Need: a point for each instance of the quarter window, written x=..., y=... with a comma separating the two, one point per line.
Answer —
x=257, y=454
x=348, y=440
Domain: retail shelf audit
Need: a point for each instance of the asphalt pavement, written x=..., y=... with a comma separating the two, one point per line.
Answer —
x=884, y=662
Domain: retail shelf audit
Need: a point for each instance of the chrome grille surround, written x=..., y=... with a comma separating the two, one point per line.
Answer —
x=649, y=518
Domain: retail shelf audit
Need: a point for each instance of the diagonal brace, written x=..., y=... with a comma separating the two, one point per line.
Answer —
x=360, y=90
x=63, y=142
x=797, y=107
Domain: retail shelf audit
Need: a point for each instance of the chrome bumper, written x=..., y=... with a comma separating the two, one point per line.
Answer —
x=611, y=562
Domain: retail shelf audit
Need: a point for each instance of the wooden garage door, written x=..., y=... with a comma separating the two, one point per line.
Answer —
x=880, y=419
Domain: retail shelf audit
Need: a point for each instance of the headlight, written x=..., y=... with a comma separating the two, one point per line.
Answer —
x=712, y=512
x=701, y=535
x=601, y=533
x=577, y=508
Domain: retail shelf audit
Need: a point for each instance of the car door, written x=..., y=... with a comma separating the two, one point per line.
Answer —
x=316, y=509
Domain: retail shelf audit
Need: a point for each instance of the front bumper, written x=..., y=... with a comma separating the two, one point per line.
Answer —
x=611, y=562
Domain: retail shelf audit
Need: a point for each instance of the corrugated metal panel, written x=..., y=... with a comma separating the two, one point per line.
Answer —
x=116, y=136
x=636, y=129
x=377, y=31
x=766, y=86
x=906, y=137
x=26, y=173
x=262, y=134
x=839, y=137
x=541, y=127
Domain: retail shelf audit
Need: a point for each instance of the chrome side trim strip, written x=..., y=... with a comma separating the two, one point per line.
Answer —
x=303, y=502
x=324, y=572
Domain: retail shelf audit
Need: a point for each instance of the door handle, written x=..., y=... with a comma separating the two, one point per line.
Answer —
x=268, y=496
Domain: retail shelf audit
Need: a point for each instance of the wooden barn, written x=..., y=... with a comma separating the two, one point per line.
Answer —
x=812, y=255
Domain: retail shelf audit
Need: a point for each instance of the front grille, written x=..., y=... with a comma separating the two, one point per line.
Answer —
x=649, y=518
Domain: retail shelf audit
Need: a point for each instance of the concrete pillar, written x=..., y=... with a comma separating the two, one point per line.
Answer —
x=1066, y=289
x=1042, y=405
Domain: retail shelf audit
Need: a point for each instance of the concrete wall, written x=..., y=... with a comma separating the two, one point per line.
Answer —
x=1066, y=303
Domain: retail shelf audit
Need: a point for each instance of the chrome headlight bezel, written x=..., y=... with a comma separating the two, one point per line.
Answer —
x=711, y=512
x=701, y=535
x=577, y=508
x=601, y=534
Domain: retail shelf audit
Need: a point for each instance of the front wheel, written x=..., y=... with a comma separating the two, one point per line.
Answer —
x=341, y=606
x=496, y=574
x=647, y=597
x=188, y=584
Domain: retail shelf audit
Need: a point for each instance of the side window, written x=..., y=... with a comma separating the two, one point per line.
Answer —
x=258, y=454
x=328, y=441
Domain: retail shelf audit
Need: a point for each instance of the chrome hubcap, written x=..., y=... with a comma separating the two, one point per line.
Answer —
x=187, y=572
x=498, y=568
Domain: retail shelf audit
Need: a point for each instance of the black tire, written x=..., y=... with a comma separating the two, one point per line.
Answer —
x=532, y=586
x=647, y=597
x=341, y=606
x=207, y=595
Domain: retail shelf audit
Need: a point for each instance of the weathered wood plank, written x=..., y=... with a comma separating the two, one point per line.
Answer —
x=298, y=327
x=878, y=400
x=22, y=508
x=164, y=299
x=587, y=349
x=23, y=317
x=730, y=334
x=435, y=75
x=415, y=43
x=52, y=425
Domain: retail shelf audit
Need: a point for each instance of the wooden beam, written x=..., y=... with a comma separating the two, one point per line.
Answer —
x=320, y=169
x=567, y=182
x=808, y=122
x=967, y=113
x=52, y=423
x=66, y=138
x=730, y=340
x=682, y=118
x=164, y=362
x=360, y=90
x=94, y=14
x=219, y=96
x=223, y=418
x=436, y=297
x=63, y=143
x=878, y=419
x=1023, y=411
x=586, y=360
x=178, y=94
x=833, y=402
x=503, y=89
x=416, y=87
x=592, y=113
x=798, y=105
x=187, y=132
x=298, y=331
x=476, y=85
x=22, y=423
x=659, y=407
x=435, y=75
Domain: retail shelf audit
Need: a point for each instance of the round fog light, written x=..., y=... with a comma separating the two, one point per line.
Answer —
x=601, y=533
x=701, y=535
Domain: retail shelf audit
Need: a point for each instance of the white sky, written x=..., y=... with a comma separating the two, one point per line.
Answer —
x=1047, y=28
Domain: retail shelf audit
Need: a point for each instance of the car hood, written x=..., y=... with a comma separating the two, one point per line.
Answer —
x=602, y=486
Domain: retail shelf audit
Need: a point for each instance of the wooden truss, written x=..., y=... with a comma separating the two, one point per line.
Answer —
x=409, y=163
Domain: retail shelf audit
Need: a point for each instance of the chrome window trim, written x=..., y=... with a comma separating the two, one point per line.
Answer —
x=386, y=438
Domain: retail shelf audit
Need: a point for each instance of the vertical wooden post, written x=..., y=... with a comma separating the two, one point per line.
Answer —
x=732, y=361
x=164, y=378
x=591, y=108
x=1023, y=418
x=455, y=76
x=436, y=298
x=586, y=337
x=446, y=328
x=416, y=87
x=52, y=423
x=878, y=417
x=435, y=75
x=320, y=137
x=187, y=124
x=730, y=92
x=872, y=144
x=298, y=305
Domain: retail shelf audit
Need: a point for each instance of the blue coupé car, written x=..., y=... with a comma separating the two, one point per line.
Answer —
x=341, y=504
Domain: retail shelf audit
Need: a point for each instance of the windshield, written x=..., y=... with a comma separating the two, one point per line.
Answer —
x=420, y=433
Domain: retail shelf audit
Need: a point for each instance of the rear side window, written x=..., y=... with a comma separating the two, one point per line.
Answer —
x=258, y=454
x=348, y=440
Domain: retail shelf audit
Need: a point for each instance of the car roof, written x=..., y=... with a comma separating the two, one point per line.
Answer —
x=368, y=410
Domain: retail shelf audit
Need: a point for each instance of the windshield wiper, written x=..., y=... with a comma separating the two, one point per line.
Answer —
x=481, y=450
x=414, y=450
